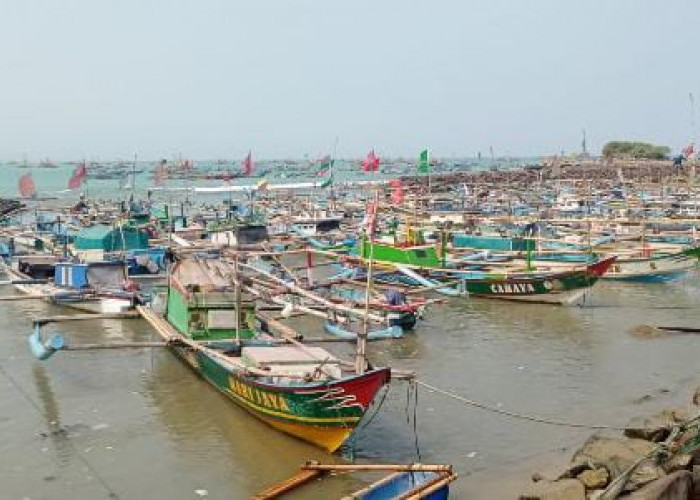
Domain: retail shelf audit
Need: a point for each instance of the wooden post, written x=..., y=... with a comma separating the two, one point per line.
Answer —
x=309, y=268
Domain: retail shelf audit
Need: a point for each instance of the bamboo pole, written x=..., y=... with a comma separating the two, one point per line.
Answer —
x=113, y=345
x=312, y=296
x=378, y=467
x=84, y=317
x=289, y=484
x=25, y=297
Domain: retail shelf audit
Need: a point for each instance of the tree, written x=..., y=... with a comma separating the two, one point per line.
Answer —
x=634, y=150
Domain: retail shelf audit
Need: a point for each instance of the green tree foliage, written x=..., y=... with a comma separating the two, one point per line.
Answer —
x=635, y=150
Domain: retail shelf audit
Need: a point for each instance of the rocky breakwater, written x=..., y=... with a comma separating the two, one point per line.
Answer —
x=656, y=458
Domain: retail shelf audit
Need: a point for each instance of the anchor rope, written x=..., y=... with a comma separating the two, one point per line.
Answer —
x=111, y=493
x=516, y=415
x=415, y=424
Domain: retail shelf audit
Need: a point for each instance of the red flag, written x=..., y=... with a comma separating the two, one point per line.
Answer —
x=397, y=192
x=371, y=163
x=322, y=161
x=78, y=177
x=26, y=186
x=689, y=151
x=248, y=164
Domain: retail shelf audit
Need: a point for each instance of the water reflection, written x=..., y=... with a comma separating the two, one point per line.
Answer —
x=55, y=432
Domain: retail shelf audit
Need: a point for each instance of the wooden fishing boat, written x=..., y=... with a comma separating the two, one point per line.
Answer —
x=96, y=287
x=395, y=305
x=654, y=267
x=344, y=332
x=298, y=389
x=420, y=266
x=414, y=481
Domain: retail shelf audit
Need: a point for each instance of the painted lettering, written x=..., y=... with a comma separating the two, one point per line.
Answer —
x=256, y=396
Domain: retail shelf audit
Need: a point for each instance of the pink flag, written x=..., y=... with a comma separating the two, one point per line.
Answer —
x=397, y=192
x=371, y=163
x=159, y=173
x=248, y=164
x=26, y=186
x=323, y=160
x=371, y=219
x=689, y=151
x=78, y=177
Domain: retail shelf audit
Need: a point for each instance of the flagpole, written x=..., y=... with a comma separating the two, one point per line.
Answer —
x=133, y=178
x=361, y=348
x=429, y=182
x=87, y=184
x=332, y=170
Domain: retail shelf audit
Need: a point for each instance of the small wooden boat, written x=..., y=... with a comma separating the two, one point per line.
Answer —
x=343, y=332
x=654, y=267
x=414, y=481
x=96, y=287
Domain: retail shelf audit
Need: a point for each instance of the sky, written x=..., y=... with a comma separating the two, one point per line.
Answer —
x=105, y=79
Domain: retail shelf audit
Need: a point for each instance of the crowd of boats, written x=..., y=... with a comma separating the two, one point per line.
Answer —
x=217, y=281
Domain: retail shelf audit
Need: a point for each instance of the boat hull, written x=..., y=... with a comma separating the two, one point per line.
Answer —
x=652, y=270
x=324, y=414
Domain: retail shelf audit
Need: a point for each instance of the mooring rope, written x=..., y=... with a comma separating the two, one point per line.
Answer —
x=512, y=414
x=110, y=492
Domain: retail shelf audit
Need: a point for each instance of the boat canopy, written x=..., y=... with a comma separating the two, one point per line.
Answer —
x=111, y=239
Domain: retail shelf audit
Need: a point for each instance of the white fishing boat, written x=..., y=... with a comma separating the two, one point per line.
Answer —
x=95, y=287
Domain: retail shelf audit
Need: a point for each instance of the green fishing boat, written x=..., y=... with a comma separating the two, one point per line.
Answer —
x=298, y=389
x=421, y=266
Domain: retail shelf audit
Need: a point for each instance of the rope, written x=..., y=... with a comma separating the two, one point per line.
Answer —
x=415, y=424
x=512, y=414
x=110, y=492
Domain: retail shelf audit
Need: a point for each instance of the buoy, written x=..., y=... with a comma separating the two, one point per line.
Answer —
x=44, y=349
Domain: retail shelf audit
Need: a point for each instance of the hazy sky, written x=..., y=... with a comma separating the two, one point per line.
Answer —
x=214, y=78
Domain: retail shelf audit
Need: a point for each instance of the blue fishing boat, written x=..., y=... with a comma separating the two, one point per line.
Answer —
x=427, y=485
x=390, y=332
x=415, y=481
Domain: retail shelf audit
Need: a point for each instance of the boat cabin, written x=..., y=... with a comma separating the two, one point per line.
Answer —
x=201, y=302
x=239, y=235
x=107, y=275
x=425, y=256
x=37, y=266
